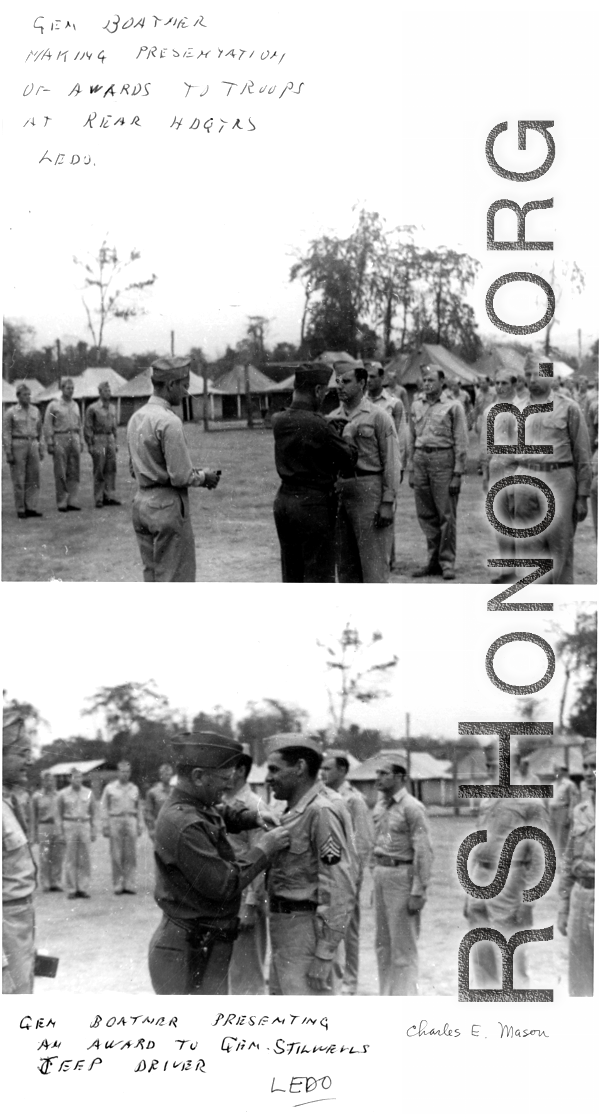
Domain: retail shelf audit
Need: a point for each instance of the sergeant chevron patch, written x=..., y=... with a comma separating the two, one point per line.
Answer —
x=331, y=851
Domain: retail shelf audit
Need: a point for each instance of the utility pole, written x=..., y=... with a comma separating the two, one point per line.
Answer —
x=205, y=397
x=58, y=361
x=407, y=733
x=248, y=395
x=172, y=342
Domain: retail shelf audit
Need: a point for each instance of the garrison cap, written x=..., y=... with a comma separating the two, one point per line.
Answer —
x=312, y=375
x=13, y=722
x=432, y=367
x=290, y=739
x=206, y=750
x=170, y=367
x=532, y=360
x=336, y=754
x=392, y=758
x=588, y=750
x=374, y=364
x=354, y=364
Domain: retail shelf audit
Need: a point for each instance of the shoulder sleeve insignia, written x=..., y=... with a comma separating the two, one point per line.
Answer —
x=331, y=851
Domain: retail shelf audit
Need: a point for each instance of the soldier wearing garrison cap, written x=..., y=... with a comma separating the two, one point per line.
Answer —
x=18, y=867
x=100, y=432
x=312, y=885
x=365, y=524
x=309, y=456
x=199, y=880
x=334, y=775
x=402, y=859
x=162, y=466
x=577, y=884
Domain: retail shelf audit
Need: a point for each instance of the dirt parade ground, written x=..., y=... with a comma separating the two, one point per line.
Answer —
x=102, y=943
x=234, y=528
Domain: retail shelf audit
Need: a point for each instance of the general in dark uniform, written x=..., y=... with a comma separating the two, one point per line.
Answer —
x=199, y=881
x=309, y=456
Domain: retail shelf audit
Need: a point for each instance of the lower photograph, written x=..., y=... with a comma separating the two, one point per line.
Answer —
x=309, y=798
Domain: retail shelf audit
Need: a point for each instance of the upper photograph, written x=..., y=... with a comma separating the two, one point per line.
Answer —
x=304, y=351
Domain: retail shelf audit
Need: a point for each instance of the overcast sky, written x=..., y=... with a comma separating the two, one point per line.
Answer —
x=226, y=652
x=396, y=104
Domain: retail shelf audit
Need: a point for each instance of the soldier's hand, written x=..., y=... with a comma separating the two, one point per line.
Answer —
x=384, y=516
x=581, y=509
x=265, y=818
x=105, y=832
x=93, y=837
x=278, y=839
x=51, y=450
x=248, y=917
x=41, y=452
x=415, y=904
x=318, y=975
x=562, y=923
x=10, y=458
x=211, y=479
x=411, y=479
x=455, y=485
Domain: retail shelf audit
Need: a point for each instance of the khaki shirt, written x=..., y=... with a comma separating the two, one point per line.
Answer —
x=402, y=832
x=395, y=408
x=442, y=425
x=361, y=819
x=579, y=859
x=372, y=432
x=62, y=417
x=505, y=433
x=18, y=867
x=319, y=865
x=242, y=842
x=21, y=423
x=77, y=805
x=121, y=800
x=100, y=421
x=43, y=809
x=565, y=429
x=158, y=452
x=155, y=799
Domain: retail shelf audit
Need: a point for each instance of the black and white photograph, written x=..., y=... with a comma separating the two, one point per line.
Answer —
x=297, y=299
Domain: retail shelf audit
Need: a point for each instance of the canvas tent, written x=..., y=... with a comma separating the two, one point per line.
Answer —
x=9, y=395
x=429, y=777
x=34, y=385
x=136, y=392
x=85, y=387
x=232, y=386
x=407, y=369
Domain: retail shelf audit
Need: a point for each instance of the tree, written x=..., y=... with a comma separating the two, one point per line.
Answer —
x=220, y=721
x=124, y=706
x=257, y=327
x=570, y=273
x=110, y=294
x=359, y=679
x=578, y=651
x=17, y=342
x=272, y=718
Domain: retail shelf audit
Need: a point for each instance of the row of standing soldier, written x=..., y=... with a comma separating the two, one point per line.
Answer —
x=215, y=902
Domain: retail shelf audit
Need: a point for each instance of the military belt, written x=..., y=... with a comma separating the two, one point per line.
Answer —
x=587, y=883
x=542, y=466
x=361, y=472
x=24, y=437
x=284, y=905
x=433, y=449
x=384, y=860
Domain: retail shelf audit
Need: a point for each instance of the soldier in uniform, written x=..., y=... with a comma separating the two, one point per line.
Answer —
x=334, y=774
x=312, y=886
x=100, y=431
x=577, y=882
x=156, y=797
x=18, y=866
x=365, y=529
x=309, y=456
x=121, y=811
x=162, y=467
x=76, y=808
x=199, y=881
x=64, y=439
x=47, y=834
x=402, y=858
x=507, y=912
x=437, y=460
x=561, y=806
x=566, y=471
x=24, y=448
x=247, y=967
x=393, y=405
x=495, y=466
